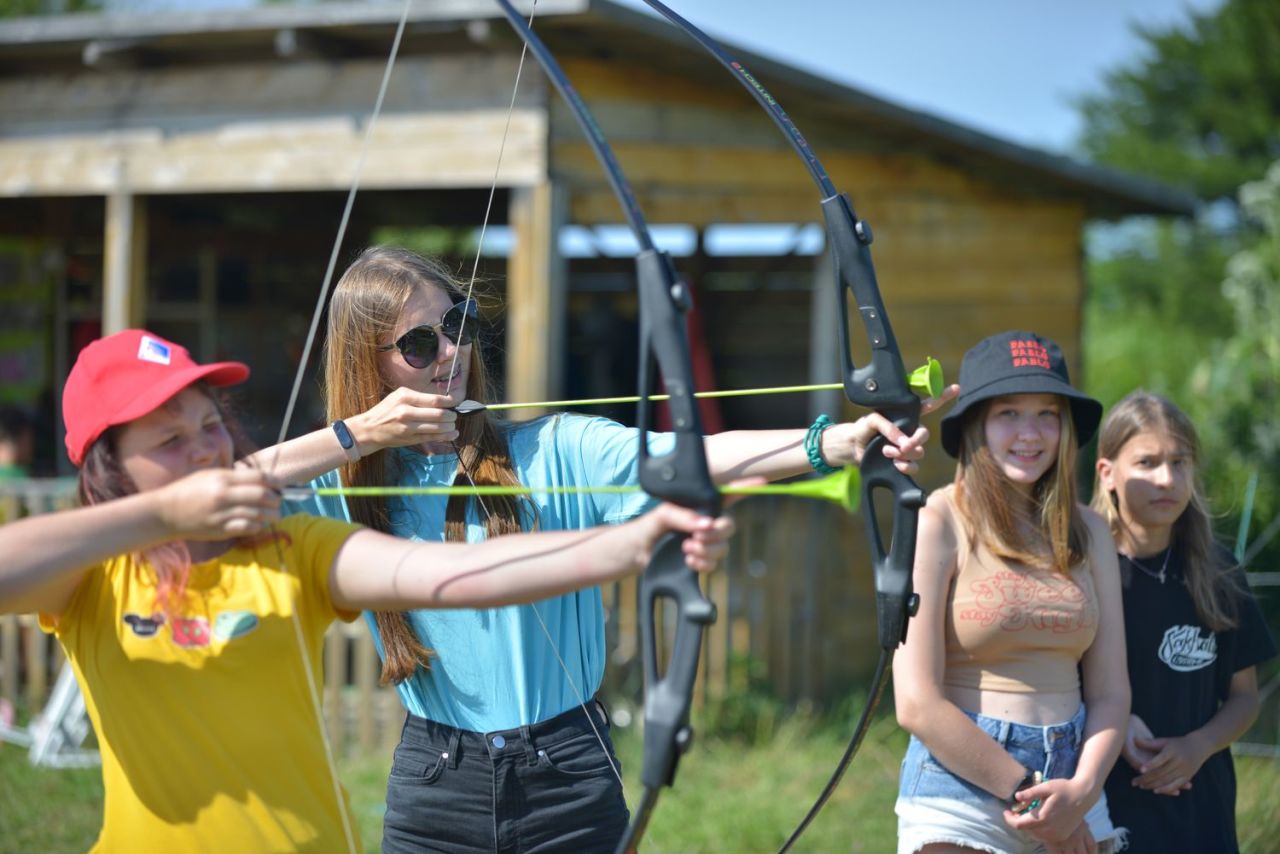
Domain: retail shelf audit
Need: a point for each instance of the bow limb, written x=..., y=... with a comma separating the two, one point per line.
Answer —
x=682, y=476
x=881, y=385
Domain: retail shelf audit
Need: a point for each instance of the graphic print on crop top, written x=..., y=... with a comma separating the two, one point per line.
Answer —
x=1018, y=601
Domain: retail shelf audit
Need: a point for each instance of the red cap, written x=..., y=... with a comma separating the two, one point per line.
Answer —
x=126, y=375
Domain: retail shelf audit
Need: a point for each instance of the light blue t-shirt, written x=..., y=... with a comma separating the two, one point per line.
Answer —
x=494, y=668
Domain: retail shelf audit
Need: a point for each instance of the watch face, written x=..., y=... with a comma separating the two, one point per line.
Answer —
x=345, y=439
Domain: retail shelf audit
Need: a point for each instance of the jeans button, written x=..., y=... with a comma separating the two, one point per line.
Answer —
x=499, y=742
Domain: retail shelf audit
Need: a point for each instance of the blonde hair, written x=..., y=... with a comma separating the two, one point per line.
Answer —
x=993, y=508
x=1210, y=579
x=366, y=305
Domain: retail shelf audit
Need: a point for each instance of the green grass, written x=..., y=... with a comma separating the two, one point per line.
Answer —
x=729, y=796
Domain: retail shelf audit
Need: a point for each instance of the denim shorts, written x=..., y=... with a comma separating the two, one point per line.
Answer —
x=936, y=806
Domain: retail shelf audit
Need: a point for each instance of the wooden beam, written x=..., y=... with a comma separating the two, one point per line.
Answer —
x=124, y=262
x=405, y=152
x=537, y=289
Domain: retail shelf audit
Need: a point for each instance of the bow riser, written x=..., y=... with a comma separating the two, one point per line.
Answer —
x=882, y=383
x=666, y=705
x=896, y=601
x=681, y=476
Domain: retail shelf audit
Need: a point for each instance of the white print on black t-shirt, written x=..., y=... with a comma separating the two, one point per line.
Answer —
x=1184, y=650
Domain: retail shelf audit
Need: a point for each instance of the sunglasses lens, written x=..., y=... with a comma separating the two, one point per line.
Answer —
x=419, y=346
x=459, y=322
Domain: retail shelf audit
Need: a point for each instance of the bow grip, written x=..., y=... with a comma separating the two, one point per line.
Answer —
x=666, y=704
x=895, y=600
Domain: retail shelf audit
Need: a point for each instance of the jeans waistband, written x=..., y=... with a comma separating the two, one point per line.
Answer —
x=456, y=743
x=1010, y=732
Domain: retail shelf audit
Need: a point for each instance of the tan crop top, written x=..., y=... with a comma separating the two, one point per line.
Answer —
x=1012, y=627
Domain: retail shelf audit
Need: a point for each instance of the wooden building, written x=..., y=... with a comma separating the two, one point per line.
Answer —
x=187, y=171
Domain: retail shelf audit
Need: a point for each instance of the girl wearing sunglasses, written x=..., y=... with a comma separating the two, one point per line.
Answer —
x=400, y=354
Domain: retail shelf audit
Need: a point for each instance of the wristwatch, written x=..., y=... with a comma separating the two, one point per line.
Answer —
x=346, y=440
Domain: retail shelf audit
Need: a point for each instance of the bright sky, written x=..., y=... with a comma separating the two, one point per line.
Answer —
x=1007, y=67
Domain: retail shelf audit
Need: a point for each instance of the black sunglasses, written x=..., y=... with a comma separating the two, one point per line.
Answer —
x=420, y=345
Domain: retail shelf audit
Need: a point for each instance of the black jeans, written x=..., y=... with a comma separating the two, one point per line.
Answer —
x=540, y=788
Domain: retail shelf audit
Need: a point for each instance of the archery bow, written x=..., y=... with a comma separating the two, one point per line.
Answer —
x=681, y=476
x=880, y=385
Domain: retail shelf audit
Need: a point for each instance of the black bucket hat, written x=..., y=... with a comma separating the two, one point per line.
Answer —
x=1017, y=362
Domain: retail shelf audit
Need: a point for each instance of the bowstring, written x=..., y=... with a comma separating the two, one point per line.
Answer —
x=453, y=366
x=312, y=688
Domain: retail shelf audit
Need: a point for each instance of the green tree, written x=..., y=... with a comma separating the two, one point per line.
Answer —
x=1200, y=111
x=1234, y=392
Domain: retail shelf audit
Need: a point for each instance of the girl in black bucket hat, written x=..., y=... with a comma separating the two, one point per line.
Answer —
x=1012, y=680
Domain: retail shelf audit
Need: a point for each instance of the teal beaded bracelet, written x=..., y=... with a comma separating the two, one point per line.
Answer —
x=813, y=445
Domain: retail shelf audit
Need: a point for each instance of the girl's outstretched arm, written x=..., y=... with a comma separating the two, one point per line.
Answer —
x=47, y=555
x=777, y=454
x=375, y=571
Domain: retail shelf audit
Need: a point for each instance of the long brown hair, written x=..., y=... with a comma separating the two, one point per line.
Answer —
x=102, y=478
x=366, y=304
x=1209, y=578
x=997, y=513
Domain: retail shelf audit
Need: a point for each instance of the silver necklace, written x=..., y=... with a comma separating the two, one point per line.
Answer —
x=1158, y=576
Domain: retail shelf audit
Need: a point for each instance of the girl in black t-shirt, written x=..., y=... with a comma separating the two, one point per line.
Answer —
x=1193, y=632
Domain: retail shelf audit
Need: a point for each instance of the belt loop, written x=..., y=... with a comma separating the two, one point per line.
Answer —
x=455, y=741
x=604, y=711
x=1005, y=729
x=530, y=751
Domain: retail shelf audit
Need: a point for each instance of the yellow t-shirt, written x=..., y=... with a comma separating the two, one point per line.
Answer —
x=206, y=725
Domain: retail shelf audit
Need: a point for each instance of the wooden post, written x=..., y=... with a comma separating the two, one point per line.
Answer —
x=367, y=682
x=9, y=651
x=335, y=671
x=124, y=262
x=537, y=286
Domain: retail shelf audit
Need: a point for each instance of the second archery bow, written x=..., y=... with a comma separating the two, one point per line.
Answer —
x=881, y=385
x=681, y=476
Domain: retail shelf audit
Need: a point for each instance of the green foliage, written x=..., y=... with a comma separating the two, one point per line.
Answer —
x=749, y=711
x=1150, y=310
x=1200, y=111
x=1236, y=389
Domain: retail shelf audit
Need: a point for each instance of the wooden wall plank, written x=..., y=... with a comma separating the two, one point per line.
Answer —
x=405, y=152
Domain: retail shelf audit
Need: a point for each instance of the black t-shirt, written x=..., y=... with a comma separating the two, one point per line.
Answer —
x=1180, y=673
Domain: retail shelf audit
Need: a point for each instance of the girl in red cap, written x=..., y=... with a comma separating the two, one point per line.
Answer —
x=194, y=616
x=1194, y=633
x=1012, y=678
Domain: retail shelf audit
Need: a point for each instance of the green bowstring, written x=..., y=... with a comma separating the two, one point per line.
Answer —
x=926, y=380
x=839, y=488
